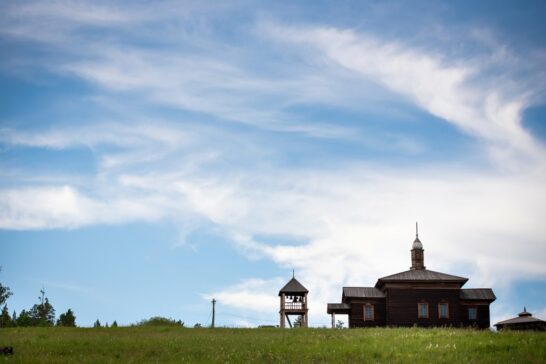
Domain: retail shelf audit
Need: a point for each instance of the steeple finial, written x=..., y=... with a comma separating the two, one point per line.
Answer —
x=293, y=274
x=525, y=313
x=416, y=230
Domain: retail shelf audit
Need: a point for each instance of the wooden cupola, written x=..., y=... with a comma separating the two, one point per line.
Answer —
x=417, y=252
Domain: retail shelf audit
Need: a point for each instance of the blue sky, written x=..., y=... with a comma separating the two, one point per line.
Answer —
x=154, y=156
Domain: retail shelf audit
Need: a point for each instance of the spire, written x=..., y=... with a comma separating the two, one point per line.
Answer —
x=293, y=274
x=417, y=243
x=417, y=252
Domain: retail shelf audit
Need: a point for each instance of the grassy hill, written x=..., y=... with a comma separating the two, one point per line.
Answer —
x=176, y=344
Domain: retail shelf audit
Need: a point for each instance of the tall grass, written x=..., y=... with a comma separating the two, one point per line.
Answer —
x=176, y=344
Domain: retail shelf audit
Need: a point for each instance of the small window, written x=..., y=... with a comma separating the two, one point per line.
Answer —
x=472, y=313
x=443, y=310
x=368, y=312
x=422, y=310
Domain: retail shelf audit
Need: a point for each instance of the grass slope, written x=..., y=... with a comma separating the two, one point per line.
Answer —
x=175, y=344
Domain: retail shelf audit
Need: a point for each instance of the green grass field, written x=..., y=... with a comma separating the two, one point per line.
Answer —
x=175, y=344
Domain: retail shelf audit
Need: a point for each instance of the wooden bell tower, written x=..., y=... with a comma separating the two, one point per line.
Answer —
x=293, y=302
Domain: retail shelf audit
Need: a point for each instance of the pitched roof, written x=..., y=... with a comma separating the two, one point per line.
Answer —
x=420, y=275
x=523, y=318
x=293, y=286
x=337, y=308
x=362, y=292
x=477, y=294
x=519, y=320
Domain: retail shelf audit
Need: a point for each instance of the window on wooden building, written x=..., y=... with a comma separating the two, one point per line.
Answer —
x=368, y=312
x=443, y=310
x=472, y=313
x=422, y=310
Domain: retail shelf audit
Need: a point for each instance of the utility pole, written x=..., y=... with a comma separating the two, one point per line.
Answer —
x=42, y=291
x=213, y=312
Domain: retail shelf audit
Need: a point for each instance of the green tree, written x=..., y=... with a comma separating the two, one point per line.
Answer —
x=42, y=314
x=5, y=318
x=67, y=319
x=298, y=321
x=14, y=318
x=114, y=324
x=24, y=319
x=5, y=292
x=97, y=323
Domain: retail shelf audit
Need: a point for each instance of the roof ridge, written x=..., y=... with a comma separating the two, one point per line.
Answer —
x=419, y=271
x=293, y=286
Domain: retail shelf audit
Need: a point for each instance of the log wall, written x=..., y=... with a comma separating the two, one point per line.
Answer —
x=402, y=307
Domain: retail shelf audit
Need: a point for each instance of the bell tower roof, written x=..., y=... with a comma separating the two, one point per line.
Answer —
x=293, y=287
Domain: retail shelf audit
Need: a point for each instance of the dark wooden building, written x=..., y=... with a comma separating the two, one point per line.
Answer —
x=293, y=298
x=418, y=297
x=524, y=321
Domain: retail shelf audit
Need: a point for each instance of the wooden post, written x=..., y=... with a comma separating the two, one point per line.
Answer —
x=305, y=315
x=333, y=320
x=213, y=311
x=282, y=311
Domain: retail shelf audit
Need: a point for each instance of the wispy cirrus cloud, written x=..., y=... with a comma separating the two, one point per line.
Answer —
x=196, y=71
x=349, y=213
x=98, y=134
x=445, y=88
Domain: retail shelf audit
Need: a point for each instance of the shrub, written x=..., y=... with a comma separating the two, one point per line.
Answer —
x=160, y=321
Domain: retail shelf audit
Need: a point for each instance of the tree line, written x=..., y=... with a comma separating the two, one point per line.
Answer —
x=40, y=314
x=43, y=314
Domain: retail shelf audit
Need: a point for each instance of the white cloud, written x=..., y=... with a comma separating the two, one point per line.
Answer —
x=355, y=219
x=348, y=216
x=353, y=222
x=32, y=208
x=72, y=11
x=125, y=135
x=209, y=85
x=255, y=295
x=50, y=207
x=445, y=88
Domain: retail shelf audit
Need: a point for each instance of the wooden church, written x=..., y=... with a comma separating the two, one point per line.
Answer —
x=418, y=297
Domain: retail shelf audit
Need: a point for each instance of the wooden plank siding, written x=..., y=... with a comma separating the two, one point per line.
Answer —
x=402, y=307
x=483, y=319
x=356, y=314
